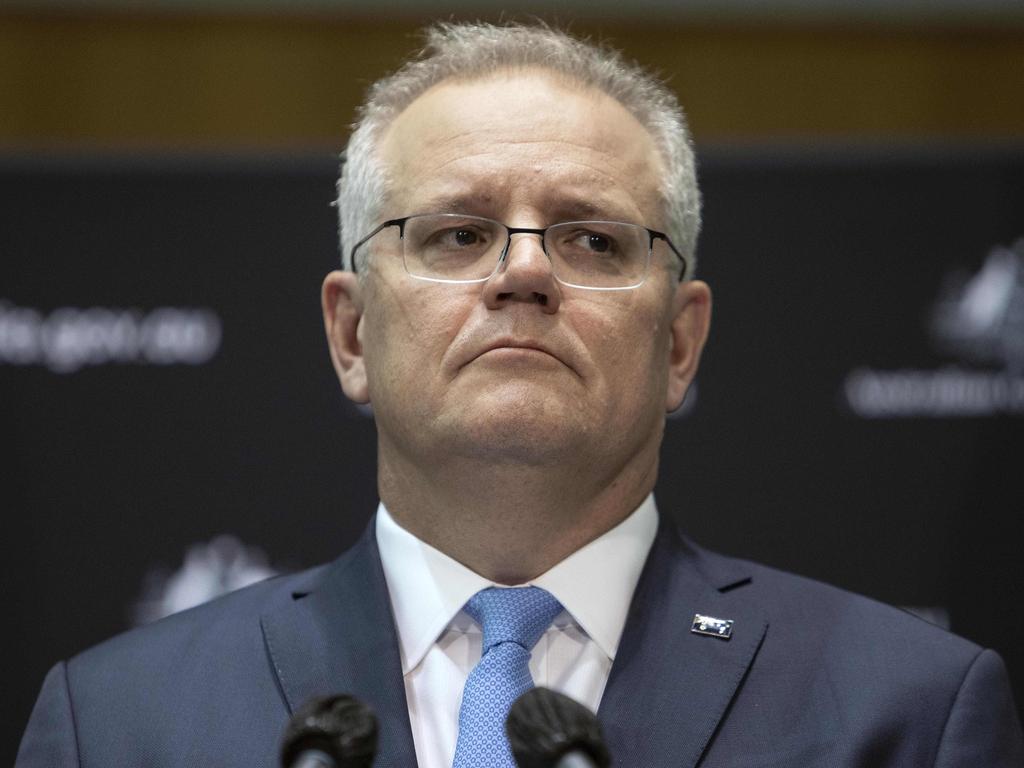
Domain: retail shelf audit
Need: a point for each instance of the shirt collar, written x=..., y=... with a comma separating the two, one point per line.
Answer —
x=594, y=584
x=427, y=587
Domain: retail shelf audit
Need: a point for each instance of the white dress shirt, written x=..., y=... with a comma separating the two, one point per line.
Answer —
x=440, y=643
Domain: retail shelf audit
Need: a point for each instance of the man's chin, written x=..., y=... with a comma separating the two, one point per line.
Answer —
x=526, y=434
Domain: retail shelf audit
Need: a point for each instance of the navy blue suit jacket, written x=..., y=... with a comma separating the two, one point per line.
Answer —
x=812, y=676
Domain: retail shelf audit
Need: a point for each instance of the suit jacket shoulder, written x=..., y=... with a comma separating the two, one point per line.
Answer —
x=215, y=685
x=810, y=675
x=185, y=688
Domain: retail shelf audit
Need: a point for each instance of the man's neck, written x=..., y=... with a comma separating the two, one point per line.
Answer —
x=511, y=523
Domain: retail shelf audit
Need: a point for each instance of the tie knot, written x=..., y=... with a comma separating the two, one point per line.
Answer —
x=517, y=615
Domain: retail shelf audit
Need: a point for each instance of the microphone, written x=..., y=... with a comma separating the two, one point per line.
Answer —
x=549, y=730
x=330, y=732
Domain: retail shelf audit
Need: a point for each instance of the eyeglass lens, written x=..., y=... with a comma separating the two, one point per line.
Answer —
x=466, y=248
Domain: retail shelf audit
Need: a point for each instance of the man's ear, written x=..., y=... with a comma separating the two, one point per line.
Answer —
x=691, y=320
x=341, y=299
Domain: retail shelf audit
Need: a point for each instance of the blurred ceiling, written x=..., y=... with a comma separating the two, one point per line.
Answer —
x=954, y=11
x=288, y=74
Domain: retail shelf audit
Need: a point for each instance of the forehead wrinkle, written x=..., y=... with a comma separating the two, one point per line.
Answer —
x=493, y=146
x=571, y=184
x=565, y=201
x=459, y=203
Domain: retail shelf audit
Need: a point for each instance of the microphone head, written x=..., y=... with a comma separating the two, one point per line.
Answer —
x=543, y=726
x=340, y=726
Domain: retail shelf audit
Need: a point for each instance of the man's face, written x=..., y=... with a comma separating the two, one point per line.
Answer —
x=520, y=368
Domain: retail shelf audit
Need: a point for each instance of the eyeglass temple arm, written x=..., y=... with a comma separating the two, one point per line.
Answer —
x=400, y=223
x=655, y=235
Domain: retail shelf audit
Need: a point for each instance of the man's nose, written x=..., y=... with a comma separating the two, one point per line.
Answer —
x=525, y=275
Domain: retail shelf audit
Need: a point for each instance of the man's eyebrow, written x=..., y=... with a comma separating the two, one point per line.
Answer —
x=460, y=203
x=561, y=208
x=577, y=208
x=599, y=208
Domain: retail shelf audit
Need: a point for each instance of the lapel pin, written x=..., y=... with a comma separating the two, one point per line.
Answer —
x=712, y=627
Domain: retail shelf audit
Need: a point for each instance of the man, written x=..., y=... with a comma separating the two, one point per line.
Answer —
x=519, y=213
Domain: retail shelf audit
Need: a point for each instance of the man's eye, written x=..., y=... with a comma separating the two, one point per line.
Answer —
x=457, y=237
x=594, y=242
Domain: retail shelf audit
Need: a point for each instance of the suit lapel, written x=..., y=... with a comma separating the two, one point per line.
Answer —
x=669, y=688
x=339, y=637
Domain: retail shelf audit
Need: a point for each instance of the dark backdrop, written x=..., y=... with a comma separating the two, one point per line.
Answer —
x=196, y=398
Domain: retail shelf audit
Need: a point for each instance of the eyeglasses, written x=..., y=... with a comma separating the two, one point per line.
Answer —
x=453, y=248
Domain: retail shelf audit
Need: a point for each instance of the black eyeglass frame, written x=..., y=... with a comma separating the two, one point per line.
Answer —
x=653, y=235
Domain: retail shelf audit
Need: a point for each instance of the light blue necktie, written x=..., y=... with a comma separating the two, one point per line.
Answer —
x=513, y=621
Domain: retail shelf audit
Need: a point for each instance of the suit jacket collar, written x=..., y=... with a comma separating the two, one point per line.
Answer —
x=668, y=688
x=338, y=636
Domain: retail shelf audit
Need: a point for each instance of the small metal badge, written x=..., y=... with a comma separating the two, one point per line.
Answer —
x=712, y=627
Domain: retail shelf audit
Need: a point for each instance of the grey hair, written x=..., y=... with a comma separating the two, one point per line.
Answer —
x=470, y=50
